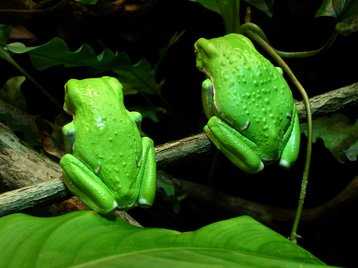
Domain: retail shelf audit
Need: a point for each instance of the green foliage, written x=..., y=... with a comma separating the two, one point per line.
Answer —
x=344, y=11
x=11, y=92
x=339, y=135
x=4, y=33
x=138, y=77
x=88, y=239
x=4, y=54
x=228, y=10
x=17, y=119
x=265, y=6
x=87, y=2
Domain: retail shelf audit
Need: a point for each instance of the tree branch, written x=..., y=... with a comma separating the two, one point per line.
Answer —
x=39, y=178
x=330, y=102
x=209, y=197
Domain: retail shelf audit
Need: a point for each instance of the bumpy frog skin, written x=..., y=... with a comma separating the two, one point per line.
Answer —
x=252, y=115
x=108, y=164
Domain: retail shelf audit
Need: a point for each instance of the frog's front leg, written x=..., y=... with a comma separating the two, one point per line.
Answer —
x=137, y=119
x=85, y=184
x=232, y=144
x=69, y=133
x=207, y=96
x=147, y=174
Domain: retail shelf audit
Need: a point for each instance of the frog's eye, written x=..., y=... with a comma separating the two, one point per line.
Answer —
x=206, y=48
x=211, y=50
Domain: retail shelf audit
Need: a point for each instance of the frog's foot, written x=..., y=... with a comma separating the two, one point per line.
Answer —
x=147, y=174
x=292, y=148
x=231, y=143
x=85, y=184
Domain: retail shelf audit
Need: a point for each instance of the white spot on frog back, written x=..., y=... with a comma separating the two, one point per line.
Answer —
x=101, y=122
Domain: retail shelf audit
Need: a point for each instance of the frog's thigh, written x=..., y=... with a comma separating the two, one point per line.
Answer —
x=147, y=174
x=230, y=142
x=84, y=183
x=292, y=148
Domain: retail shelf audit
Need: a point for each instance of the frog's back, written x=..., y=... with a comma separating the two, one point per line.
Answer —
x=261, y=104
x=108, y=139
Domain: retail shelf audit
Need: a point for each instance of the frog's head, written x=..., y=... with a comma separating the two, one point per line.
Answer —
x=79, y=93
x=205, y=51
x=216, y=50
x=70, y=95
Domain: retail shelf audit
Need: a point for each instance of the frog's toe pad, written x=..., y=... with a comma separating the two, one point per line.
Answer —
x=284, y=163
x=106, y=210
x=261, y=167
x=143, y=202
x=114, y=205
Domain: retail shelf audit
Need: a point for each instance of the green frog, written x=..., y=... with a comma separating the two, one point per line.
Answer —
x=108, y=163
x=252, y=115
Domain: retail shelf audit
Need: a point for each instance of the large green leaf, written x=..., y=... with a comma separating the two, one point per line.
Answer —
x=87, y=239
x=139, y=76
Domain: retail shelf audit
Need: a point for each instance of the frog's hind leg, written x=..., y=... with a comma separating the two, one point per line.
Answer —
x=231, y=144
x=147, y=174
x=85, y=184
x=292, y=148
